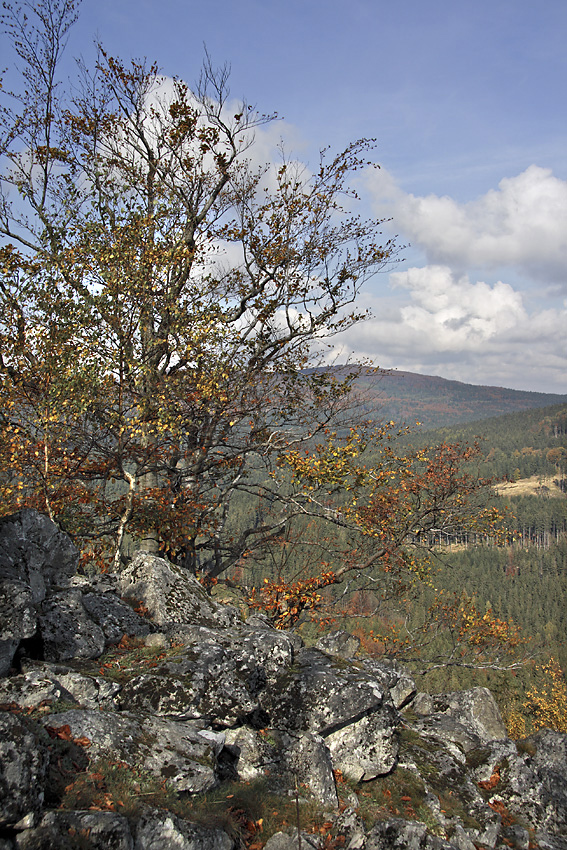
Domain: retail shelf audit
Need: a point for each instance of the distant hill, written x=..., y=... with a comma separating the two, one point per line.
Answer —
x=436, y=402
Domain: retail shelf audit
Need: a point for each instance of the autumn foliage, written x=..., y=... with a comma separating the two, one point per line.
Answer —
x=165, y=301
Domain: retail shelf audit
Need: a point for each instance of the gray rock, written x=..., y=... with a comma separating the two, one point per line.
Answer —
x=339, y=643
x=24, y=760
x=171, y=595
x=457, y=737
x=42, y=682
x=285, y=841
x=33, y=689
x=158, y=830
x=281, y=841
x=62, y=830
x=66, y=629
x=322, y=694
x=535, y=786
x=398, y=834
x=307, y=758
x=34, y=551
x=366, y=748
x=114, y=617
x=204, y=684
x=545, y=841
x=342, y=702
x=173, y=751
x=398, y=681
x=216, y=675
x=18, y=619
x=35, y=558
x=8, y=647
x=283, y=759
x=350, y=825
x=475, y=709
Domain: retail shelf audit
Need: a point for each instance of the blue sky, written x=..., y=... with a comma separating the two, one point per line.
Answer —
x=467, y=101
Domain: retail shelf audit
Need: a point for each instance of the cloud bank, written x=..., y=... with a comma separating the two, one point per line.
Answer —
x=463, y=314
x=522, y=224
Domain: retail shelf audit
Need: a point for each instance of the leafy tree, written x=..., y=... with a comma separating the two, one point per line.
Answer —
x=165, y=306
x=182, y=287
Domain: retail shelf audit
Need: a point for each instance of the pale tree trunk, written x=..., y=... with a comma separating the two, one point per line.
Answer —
x=124, y=520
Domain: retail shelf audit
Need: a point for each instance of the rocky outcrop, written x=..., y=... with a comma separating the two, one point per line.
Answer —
x=126, y=700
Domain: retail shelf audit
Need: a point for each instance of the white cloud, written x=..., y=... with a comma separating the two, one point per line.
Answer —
x=521, y=224
x=454, y=312
x=463, y=330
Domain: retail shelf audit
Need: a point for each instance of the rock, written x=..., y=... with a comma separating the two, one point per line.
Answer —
x=62, y=830
x=398, y=834
x=171, y=595
x=219, y=699
x=366, y=748
x=18, y=620
x=66, y=629
x=158, y=830
x=474, y=709
x=203, y=684
x=7, y=652
x=545, y=841
x=534, y=786
x=44, y=683
x=114, y=616
x=24, y=760
x=283, y=758
x=398, y=681
x=33, y=550
x=34, y=557
x=33, y=689
x=351, y=826
x=280, y=841
x=173, y=751
x=341, y=702
x=307, y=759
x=216, y=675
x=339, y=643
x=285, y=841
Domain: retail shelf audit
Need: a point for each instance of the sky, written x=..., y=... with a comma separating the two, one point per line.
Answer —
x=467, y=101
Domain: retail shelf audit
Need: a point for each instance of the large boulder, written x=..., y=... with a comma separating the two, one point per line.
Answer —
x=351, y=709
x=35, y=557
x=174, y=751
x=158, y=830
x=114, y=617
x=284, y=759
x=44, y=684
x=214, y=675
x=66, y=629
x=533, y=783
x=34, y=550
x=61, y=830
x=170, y=595
x=24, y=761
x=467, y=719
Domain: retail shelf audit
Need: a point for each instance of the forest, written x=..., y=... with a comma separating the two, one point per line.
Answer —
x=525, y=579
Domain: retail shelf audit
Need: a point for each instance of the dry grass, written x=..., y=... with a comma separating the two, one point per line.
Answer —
x=534, y=486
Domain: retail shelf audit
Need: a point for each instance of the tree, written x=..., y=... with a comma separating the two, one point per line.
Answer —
x=376, y=517
x=182, y=286
x=165, y=304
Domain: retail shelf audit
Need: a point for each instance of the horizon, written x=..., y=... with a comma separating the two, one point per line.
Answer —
x=400, y=372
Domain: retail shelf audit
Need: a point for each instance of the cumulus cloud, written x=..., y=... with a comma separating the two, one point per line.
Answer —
x=461, y=329
x=521, y=224
x=454, y=312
